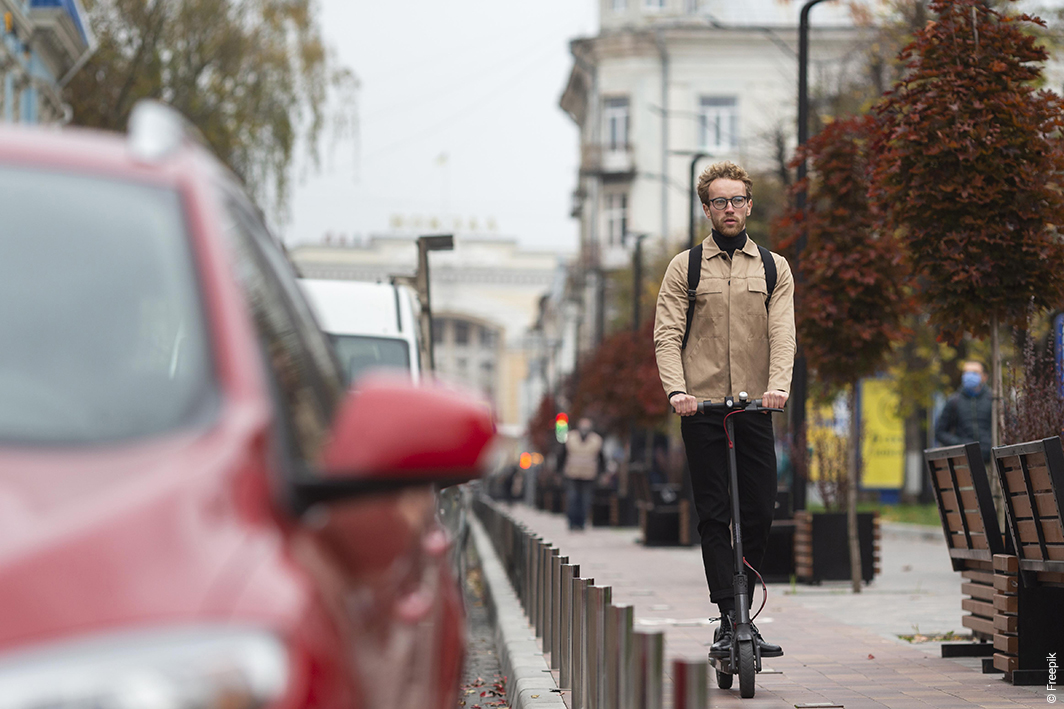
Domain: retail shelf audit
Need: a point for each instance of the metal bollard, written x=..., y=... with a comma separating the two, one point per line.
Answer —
x=690, y=684
x=611, y=659
x=565, y=626
x=648, y=669
x=556, y=611
x=542, y=566
x=621, y=621
x=524, y=570
x=542, y=584
x=548, y=579
x=533, y=578
x=548, y=606
x=598, y=599
x=578, y=623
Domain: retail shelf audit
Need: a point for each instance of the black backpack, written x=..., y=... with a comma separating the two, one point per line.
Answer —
x=694, y=275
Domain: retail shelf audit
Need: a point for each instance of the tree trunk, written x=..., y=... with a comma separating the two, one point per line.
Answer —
x=851, y=491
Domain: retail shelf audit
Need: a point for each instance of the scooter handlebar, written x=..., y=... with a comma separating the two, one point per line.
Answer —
x=735, y=405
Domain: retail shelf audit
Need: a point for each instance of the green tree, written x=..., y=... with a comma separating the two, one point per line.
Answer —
x=968, y=167
x=618, y=383
x=850, y=307
x=252, y=75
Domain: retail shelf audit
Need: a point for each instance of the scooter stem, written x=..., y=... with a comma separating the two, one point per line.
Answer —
x=742, y=598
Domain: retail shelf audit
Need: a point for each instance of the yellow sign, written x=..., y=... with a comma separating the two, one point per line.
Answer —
x=825, y=434
x=883, y=437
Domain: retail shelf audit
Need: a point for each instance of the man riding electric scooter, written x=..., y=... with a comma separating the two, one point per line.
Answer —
x=724, y=325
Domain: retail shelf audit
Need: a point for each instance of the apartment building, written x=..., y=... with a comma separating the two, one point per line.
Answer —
x=43, y=44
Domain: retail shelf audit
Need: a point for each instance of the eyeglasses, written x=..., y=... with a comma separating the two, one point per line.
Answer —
x=739, y=201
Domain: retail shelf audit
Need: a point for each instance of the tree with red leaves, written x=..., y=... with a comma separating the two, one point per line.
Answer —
x=618, y=385
x=968, y=168
x=850, y=305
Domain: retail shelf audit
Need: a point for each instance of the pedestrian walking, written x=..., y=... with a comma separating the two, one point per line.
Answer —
x=581, y=462
x=966, y=417
x=723, y=327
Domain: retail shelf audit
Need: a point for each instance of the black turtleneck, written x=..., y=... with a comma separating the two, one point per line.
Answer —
x=730, y=243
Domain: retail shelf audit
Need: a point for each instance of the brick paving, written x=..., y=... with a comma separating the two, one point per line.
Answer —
x=840, y=647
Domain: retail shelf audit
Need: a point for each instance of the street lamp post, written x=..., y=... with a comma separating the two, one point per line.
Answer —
x=637, y=275
x=799, y=383
x=425, y=244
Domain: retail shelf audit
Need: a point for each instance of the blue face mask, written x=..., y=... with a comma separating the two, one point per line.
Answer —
x=971, y=381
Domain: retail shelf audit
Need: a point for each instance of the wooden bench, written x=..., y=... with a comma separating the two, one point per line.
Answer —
x=966, y=509
x=1030, y=582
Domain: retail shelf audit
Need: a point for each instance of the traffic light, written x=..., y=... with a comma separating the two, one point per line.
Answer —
x=561, y=427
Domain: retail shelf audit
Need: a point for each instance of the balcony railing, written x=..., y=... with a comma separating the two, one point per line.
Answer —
x=617, y=161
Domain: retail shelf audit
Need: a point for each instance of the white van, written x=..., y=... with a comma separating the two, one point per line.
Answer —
x=372, y=325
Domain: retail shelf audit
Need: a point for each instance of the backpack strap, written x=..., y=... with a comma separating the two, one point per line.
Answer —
x=694, y=275
x=770, y=273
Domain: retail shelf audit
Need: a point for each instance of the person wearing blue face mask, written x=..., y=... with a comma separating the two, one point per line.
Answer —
x=967, y=414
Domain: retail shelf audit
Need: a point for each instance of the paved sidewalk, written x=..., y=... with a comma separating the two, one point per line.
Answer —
x=840, y=647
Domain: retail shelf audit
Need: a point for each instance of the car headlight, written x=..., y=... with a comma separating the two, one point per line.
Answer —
x=186, y=668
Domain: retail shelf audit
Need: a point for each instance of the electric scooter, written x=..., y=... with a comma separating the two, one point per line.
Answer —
x=744, y=657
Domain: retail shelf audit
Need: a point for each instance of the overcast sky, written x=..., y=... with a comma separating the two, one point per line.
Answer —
x=459, y=120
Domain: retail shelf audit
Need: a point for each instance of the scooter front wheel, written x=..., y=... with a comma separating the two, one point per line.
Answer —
x=746, y=669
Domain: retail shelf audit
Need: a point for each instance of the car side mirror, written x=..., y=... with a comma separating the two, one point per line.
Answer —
x=390, y=434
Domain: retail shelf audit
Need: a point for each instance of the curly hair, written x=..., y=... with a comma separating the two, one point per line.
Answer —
x=723, y=171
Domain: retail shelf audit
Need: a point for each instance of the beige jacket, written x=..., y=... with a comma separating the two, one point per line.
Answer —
x=582, y=456
x=735, y=345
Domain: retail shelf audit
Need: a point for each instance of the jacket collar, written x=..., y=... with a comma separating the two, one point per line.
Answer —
x=711, y=250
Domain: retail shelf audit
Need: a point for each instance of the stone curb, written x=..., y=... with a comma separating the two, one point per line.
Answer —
x=529, y=683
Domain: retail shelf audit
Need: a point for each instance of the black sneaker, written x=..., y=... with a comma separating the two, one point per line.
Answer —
x=722, y=638
x=767, y=648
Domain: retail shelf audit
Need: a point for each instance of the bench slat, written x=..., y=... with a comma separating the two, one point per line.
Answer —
x=979, y=591
x=1051, y=528
x=1047, y=505
x=979, y=625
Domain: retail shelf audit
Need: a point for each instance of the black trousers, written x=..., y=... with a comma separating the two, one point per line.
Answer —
x=707, y=457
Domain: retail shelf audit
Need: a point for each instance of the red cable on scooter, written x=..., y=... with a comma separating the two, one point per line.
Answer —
x=764, y=590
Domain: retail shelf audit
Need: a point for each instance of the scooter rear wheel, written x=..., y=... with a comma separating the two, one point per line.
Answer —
x=746, y=669
x=724, y=680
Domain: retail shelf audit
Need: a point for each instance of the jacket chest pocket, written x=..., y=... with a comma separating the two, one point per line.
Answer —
x=756, y=297
x=710, y=298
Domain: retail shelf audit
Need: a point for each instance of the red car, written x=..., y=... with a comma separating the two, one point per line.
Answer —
x=194, y=512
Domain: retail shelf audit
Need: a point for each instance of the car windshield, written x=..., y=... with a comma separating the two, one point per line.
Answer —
x=102, y=335
x=358, y=354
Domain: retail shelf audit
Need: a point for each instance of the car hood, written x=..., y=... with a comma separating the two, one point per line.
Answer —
x=97, y=539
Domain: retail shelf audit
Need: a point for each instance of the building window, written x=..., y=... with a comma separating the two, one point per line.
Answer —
x=692, y=7
x=438, y=325
x=655, y=5
x=487, y=338
x=615, y=116
x=619, y=5
x=616, y=218
x=461, y=332
x=718, y=123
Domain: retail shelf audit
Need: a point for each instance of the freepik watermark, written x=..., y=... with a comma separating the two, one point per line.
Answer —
x=1051, y=686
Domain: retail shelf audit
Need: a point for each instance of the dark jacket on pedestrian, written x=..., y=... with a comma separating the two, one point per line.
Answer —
x=966, y=418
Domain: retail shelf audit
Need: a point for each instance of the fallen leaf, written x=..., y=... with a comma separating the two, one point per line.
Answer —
x=871, y=656
x=535, y=696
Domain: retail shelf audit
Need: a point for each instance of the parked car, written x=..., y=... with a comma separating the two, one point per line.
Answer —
x=372, y=325
x=194, y=510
